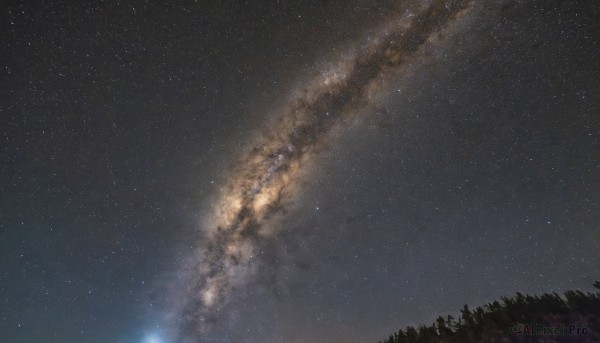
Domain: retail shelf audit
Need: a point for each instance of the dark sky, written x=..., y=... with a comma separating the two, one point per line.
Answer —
x=291, y=171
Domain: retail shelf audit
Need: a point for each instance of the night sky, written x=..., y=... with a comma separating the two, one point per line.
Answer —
x=291, y=171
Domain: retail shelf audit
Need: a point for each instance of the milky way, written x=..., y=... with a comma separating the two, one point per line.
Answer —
x=266, y=177
x=291, y=171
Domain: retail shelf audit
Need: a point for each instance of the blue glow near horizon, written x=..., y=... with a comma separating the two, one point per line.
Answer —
x=153, y=339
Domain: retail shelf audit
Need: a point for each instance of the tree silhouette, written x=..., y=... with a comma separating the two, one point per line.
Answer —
x=493, y=320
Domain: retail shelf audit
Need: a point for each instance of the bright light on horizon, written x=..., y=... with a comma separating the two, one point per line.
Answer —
x=153, y=339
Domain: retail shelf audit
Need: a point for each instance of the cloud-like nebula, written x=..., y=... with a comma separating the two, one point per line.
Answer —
x=266, y=177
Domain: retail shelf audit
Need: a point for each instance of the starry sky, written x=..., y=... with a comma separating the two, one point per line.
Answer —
x=291, y=171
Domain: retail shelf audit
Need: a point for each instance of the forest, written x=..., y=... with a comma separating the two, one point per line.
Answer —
x=572, y=317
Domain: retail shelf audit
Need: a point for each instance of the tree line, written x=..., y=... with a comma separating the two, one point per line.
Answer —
x=493, y=320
